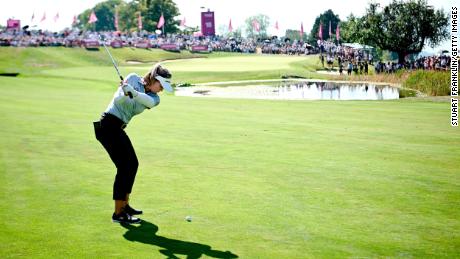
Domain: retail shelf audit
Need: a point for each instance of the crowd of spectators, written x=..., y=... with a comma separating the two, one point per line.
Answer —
x=357, y=59
x=76, y=38
x=347, y=57
x=441, y=62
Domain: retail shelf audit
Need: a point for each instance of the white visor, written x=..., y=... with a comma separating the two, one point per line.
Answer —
x=165, y=83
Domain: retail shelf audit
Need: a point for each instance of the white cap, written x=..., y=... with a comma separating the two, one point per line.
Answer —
x=165, y=83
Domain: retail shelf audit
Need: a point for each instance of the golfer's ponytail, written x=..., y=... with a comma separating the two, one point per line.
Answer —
x=157, y=70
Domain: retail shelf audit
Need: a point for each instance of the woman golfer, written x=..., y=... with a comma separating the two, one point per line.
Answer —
x=109, y=131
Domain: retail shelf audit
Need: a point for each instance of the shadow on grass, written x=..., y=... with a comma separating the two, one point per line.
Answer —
x=146, y=233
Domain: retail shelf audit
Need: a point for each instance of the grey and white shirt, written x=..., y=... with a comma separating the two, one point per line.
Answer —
x=125, y=108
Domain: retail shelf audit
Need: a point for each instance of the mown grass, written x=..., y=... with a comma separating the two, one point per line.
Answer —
x=220, y=66
x=261, y=179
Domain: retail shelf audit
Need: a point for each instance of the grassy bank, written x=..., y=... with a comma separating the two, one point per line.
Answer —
x=433, y=83
x=219, y=66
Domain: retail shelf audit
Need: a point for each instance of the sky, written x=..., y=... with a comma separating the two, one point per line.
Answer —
x=289, y=13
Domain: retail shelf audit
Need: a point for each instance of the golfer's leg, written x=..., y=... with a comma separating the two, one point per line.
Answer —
x=127, y=164
x=111, y=141
x=132, y=162
x=115, y=144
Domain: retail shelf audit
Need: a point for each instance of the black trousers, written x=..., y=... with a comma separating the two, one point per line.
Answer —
x=109, y=131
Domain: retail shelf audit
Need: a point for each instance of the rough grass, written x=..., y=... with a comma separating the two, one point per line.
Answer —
x=433, y=83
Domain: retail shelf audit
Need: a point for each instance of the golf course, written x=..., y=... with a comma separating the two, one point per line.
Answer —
x=258, y=178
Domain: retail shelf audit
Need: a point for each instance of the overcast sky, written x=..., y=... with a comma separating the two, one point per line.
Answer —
x=289, y=13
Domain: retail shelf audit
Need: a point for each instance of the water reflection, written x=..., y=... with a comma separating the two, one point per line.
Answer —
x=316, y=90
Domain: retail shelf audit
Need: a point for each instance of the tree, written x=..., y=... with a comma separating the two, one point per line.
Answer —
x=223, y=31
x=402, y=27
x=150, y=10
x=153, y=11
x=105, y=16
x=349, y=29
x=127, y=17
x=263, y=22
x=295, y=35
x=324, y=19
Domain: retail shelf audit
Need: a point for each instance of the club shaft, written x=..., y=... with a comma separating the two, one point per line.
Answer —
x=115, y=65
x=113, y=61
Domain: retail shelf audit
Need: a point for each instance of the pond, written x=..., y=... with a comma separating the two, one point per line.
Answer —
x=293, y=90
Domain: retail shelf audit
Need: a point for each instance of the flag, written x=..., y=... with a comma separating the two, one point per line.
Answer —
x=33, y=16
x=75, y=20
x=43, y=17
x=182, y=22
x=337, y=32
x=56, y=17
x=92, y=18
x=116, y=19
x=330, y=31
x=230, y=27
x=139, y=21
x=276, y=25
x=301, y=30
x=320, y=31
x=256, y=25
x=161, y=22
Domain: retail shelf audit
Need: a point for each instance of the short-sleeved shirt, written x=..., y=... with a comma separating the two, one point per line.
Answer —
x=124, y=107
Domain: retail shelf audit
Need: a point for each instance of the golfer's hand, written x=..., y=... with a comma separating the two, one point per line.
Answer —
x=129, y=89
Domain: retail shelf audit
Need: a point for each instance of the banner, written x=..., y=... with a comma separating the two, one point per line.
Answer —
x=90, y=44
x=256, y=25
x=230, y=27
x=13, y=24
x=337, y=32
x=161, y=22
x=139, y=21
x=116, y=44
x=320, y=31
x=143, y=44
x=92, y=18
x=200, y=48
x=301, y=30
x=116, y=19
x=170, y=47
x=207, y=24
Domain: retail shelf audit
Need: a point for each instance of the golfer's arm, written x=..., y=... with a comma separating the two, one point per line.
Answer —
x=121, y=98
x=146, y=100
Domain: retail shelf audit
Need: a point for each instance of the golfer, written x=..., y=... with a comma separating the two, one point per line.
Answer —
x=110, y=132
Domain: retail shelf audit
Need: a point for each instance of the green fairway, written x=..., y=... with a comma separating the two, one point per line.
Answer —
x=261, y=179
x=238, y=64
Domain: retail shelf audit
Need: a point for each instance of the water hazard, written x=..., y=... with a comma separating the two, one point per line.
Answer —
x=299, y=90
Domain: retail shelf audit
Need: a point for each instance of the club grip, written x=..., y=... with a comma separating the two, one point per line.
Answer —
x=129, y=93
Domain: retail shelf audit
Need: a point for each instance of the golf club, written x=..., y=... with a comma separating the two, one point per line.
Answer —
x=113, y=62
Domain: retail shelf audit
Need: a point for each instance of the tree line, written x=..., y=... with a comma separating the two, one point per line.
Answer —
x=150, y=12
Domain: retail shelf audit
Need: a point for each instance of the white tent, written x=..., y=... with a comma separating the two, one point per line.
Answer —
x=357, y=46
